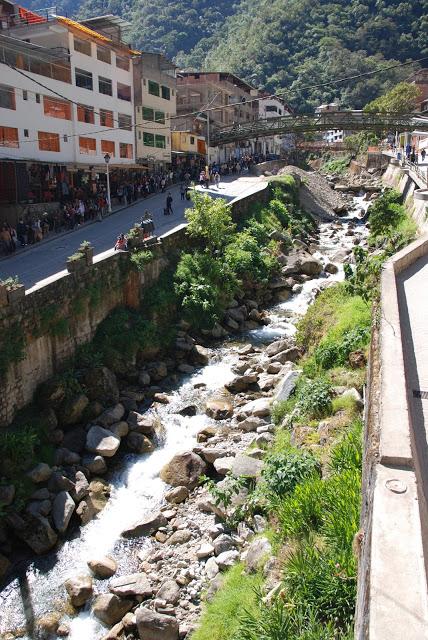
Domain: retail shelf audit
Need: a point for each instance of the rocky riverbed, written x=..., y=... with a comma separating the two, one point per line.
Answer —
x=152, y=539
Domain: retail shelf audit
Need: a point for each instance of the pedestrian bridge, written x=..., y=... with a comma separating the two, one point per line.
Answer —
x=342, y=120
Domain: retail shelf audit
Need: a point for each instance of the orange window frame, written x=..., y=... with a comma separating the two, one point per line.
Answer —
x=56, y=108
x=9, y=137
x=85, y=113
x=108, y=146
x=127, y=148
x=87, y=146
x=48, y=141
x=108, y=118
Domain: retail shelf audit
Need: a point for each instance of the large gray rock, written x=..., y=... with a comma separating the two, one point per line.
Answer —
x=81, y=487
x=102, y=568
x=134, y=584
x=277, y=346
x=72, y=409
x=227, y=559
x=155, y=626
x=62, y=510
x=286, y=386
x=146, y=526
x=223, y=543
x=111, y=415
x=257, y=554
x=40, y=473
x=219, y=409
x=259, y=408
x=241, y=383
x=200, y=354
x=289, y=355
x=184, y=470
x=169, y=591
x=101, y=384
x=245, y=466
x=102, y=441
x=36, y=532
x=119, y=429
x=94, y=464
x=180, y=537
x=139, y=443
x=79, y=590
x=310, y=266
x=144, y=424
x=177, y=495
x=109, y=608
x=223, y=465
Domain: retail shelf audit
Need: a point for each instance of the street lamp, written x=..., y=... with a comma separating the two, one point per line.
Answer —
x=107, y=160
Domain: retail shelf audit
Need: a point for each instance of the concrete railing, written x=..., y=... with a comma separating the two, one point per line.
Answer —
x=392, y=595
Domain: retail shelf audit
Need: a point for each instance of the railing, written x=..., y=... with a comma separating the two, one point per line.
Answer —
x=423, y=175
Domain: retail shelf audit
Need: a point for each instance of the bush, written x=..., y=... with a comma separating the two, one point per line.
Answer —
x=245, y=260
x=283, y=471
x=386, y=213
x=141, y=258
x=314, y=398
x=17, y=446
x=210, y=221
x=280, y=410
x=332, y=353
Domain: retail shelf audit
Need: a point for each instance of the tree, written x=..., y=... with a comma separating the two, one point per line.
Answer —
x=210, y=220
x=401, y=99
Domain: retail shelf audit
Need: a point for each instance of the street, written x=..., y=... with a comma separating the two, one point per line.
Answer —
x=42, y=261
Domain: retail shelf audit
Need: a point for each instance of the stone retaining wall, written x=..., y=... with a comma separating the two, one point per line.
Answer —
x=413, y=189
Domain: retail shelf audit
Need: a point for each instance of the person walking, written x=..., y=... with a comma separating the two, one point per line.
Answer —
x=217, y=179
x=182, y=191
x=423, y=154
x=168, y=209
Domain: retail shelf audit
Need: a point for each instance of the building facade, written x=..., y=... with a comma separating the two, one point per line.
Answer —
x=155, y=98
x=225, y=100
x=272, y=107
x=77, y=84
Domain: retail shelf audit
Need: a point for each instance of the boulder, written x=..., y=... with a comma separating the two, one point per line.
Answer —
x=227, y=559
x=79, y=590
x=94, y=464
x=210, y=455
x=184, y=470
x=101, y=385
x=155, y=626
x=286, y=386
x=102, y=568
x=259, y=408
x=59, y=482
x=95, y=502
x=177, y=495
x=144, y=424
x=146, y=526
x=223, y=466
x=169, y=591
x=310, y=266
x=119, y=429
x=180, y=537
x=109, y=608
x=134, y=584
x=223, y=543
x=211, y=568
x=219, y=409
x=139, y=443
x=36, y=532
x=241, y=383
x=40, y=473
x=62, y=510
x=289, y=355
x=250, y=424
x=102, y=441
x=189, y=410
x=244, y=465
x=205, y=551
x=7, y=494
x=72, y=409
x=257, y=554
x=81, y=486
x=200, y=354
x=331, y=268
x=111, y=415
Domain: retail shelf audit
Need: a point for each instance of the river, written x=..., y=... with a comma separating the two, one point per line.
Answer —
x=136, y=488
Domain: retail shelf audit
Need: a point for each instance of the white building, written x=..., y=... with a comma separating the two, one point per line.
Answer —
x=332, y=135
x=272, y=107
x=66, y=99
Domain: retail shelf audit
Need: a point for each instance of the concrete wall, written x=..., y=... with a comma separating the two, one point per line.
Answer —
x=392, y=589
x=414, y=190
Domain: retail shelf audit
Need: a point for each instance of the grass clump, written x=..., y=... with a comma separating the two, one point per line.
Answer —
x=283, y=471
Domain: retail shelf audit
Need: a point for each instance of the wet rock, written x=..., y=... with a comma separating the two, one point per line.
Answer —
x=146, y=526
x=110, y=609
x=331, y=268
x=41, y=473
x=223, y=466
x=257, y=554
x=200, y=354
x=177, y=495
x=310, y=266
x=95, y=502
x=112, y=415
x=139, y=443
x=62, y=509
x=94, y=464
x=180, y=537
x=101, y=385
x=155, y=626
x=63, y=630
x=162, y=398
x=219, y=409
x=7, y=494
x=47, y=625
x=184, y=470
x=104, y=567
x=81, y=487
x=102, y=441
x=72, y=409
x=241, y=383
x=227, y=559
x=134, y=584
x=144, y=424
x=189, y=410
x=169, y=592
x=243, y=465
x=79, y=590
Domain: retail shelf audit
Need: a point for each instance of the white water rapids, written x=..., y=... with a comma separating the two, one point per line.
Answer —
x=136, y=488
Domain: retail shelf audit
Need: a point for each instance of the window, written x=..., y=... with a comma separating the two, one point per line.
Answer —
x=25, y=94
x=87, y=146
x=7, y=97
x=65, y=138
x=103, y=54
x=48, y=141
x=153, y=88
x=106, y=118
x=148, y=114
x=192, y=140
x=9, y=137
x=84, y=79
x=124, y=121
x=105, y=86
x=122, y=63
x=85, y=114
x=148, y=139
x=26, y=133
x=107, y=146
x=123, y=92
x=160, y=142
x=139, y=135
x=271, y=107
x=166, y=93
x=56, y=108
x=125, y=150
x=160, y=117
x=38, y=98
x=82, y=46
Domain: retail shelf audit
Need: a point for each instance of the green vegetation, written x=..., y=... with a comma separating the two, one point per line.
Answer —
x=12, y=347
x=336, y=165
x=358, y=143
x=51, y=322
x=140, y=259
x=284, y=470
x=400, y=99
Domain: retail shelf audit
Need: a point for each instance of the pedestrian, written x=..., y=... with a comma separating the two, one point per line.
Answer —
x=217, y=179
x=121, y=243
x=182, y=191
x=22, y=232
x=168, y=209
x=147, y=224
x=423, y=154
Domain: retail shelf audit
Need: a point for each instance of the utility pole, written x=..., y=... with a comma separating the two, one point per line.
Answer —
x=107, y=160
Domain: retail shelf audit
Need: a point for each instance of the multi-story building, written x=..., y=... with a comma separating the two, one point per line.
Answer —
x=229, y=100
x=66, y=100
x=155, y=96
x=332, y=136
x=272, y=107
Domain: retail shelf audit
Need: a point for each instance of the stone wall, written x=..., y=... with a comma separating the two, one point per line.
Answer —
x=55, y=319
x=414, y=191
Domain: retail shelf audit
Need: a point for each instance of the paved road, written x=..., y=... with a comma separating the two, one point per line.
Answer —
x=42, y=262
